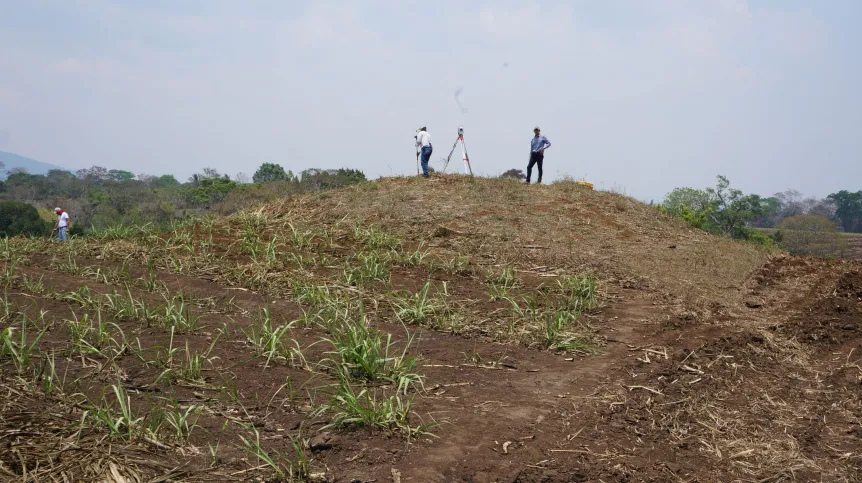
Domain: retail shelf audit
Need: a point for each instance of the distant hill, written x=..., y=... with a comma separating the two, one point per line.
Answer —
x=32, y=166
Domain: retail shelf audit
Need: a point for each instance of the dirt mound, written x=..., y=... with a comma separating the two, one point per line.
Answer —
x=554, y=228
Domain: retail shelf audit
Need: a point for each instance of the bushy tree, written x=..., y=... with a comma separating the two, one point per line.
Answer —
x=209, y=173
x=811, y=235
x=62, y=183
x=95, y=173
x=18, y=218
x=514, y=174
x=57, y=175
x=824, y=208
x=731, y=210
x=164, y=181
x=269, y=172
x=686, y=200
x=211, y=190
x=26, y=187
x=206, y=173
x=770, y=213
x=120, y=175
x=126, y=196
x=722, y=209
x=321, y=179
x=791, y=203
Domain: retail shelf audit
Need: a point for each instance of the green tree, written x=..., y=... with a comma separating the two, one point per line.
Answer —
x=354, y=176
x=18, y=218
x=770, y=213
x=686, y=199
x=321, y=179
x=26, y=187
x=61, y=183
x=848, y=209
x=164, y=181
x=57, y=175
x=269, y=172
x=722, y=210
x=124, y=197
x=731, y=210
x=97, y=195
x=120, y=175
x=211, y=190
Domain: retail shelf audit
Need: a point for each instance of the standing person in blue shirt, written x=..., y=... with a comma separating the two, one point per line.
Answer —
x=423, y=141
x=538, y=145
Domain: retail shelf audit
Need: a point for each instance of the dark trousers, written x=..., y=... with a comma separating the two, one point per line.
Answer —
x=535, y=159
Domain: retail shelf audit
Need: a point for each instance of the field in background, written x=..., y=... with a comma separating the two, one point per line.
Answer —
x=450, y=329
x=854, y=246
x=852, y=250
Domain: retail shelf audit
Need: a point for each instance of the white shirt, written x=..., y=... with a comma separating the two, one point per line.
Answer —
x=423, y=139
x=63, y=221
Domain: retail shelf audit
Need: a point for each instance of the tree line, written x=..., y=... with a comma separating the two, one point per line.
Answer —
x=803, y=225
x=843, y=208
x=98, y=197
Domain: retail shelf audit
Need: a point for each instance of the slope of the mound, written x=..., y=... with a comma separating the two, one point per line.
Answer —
x=552, y=228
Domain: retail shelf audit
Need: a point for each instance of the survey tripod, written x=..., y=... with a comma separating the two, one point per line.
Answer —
x=416, y=139
x=467, y=168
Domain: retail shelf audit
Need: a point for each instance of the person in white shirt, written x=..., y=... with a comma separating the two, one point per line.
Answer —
x=63, y=224
x=423, y=142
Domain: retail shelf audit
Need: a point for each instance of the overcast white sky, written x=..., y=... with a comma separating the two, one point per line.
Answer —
x=638, y=95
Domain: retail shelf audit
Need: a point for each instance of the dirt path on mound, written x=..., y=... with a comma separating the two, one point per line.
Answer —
x=502, y=421
x=505, y=421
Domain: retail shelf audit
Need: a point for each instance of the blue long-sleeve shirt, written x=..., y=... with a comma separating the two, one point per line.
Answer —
x=538, y=143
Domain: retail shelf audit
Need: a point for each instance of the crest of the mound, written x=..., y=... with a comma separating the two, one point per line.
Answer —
x=547, y=229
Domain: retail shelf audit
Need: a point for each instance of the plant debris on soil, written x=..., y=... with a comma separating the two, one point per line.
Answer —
x=443, y=330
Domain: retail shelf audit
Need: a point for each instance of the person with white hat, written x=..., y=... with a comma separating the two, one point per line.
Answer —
x=63, y=224
x=537, y=153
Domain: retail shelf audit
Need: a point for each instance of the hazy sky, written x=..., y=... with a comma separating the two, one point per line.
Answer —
x=641, y=95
